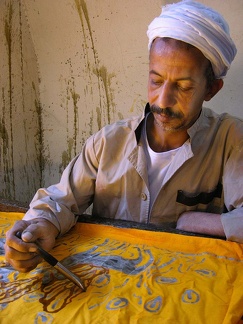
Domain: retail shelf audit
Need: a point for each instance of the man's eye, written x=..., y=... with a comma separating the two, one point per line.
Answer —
x=184, y=88
x=156, y=82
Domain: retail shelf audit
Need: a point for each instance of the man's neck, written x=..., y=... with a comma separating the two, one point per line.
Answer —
x=161, y=140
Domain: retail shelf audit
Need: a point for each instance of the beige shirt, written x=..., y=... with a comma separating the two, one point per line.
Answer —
x=111, y=172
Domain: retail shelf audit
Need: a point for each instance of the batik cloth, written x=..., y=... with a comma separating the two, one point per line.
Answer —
x=131, y=276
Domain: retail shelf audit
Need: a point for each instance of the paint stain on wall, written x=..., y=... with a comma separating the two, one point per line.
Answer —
x=70, y=104
x=105, y=78
x=75, y=97
x=21, y=130
x=88, y=35
x=4, y=149
x=103, y=85
x=66, y=155
x=72, y=97
x=39, y=135
x=97, y=89
x=8, y=159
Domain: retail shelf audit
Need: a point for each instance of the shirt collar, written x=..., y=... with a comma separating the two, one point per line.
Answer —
x=138, y=130
x=201, y=123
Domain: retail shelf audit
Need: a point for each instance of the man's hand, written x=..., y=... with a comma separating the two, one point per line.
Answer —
x=199, y=222
x=22, y=253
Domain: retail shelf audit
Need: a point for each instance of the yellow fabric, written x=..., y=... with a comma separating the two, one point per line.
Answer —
x=132, y=276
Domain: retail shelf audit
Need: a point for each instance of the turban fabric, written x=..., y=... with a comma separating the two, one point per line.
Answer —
x=200, y=26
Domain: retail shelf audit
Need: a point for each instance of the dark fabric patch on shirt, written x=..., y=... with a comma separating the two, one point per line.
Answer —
x=205, y=198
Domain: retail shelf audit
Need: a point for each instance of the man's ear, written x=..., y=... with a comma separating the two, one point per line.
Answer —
x=215, y=87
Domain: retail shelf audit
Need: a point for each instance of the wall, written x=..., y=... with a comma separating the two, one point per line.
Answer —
x=20, y=117
x=71, y=66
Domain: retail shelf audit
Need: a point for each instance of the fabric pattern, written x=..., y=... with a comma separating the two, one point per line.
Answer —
x=131, y=276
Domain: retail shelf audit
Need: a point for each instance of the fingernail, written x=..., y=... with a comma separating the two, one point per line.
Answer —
x=26, y=236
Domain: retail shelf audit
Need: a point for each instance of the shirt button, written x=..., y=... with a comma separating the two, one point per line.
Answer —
x=143, y=196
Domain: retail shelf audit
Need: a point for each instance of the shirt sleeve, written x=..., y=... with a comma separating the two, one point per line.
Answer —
x=61, y=203
x=233, y=225
x=233, y=188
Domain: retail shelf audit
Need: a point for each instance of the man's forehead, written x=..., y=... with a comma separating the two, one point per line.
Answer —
x=174, y=47
x=173, y=41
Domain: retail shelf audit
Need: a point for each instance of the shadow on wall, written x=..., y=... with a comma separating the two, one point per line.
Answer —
x=21, y=134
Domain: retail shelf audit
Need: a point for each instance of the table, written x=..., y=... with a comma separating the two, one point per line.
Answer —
x=132, y=276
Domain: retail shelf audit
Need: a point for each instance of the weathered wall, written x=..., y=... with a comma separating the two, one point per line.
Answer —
x=20, y=115
x=71, y=66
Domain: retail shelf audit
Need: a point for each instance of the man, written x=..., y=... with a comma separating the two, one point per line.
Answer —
x=178, y=163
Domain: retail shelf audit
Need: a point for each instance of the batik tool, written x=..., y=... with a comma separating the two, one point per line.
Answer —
x=57, y=265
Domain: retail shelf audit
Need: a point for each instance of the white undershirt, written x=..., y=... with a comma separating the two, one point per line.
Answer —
x=158, y=164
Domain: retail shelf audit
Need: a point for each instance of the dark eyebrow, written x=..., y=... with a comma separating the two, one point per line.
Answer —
x=154, y=72
x=179, y=79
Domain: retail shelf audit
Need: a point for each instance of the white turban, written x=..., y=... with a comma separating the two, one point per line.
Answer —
x=200, y=26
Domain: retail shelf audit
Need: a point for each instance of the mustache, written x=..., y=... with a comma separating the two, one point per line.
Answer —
x=165, y=111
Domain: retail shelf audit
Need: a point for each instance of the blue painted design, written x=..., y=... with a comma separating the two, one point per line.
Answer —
x=116, y=303
x=166, y=280
x=154, y=305
x=93, y=266
x=101, y=280
x=206, y=273
x=190, y=296
x=43, y=317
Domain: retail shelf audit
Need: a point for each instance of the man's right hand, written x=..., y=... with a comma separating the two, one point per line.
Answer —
x=22, y=252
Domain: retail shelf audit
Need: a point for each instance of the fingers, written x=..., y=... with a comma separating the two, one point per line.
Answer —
x=18, y=254
x=16, y=243
x=20, y=258
x=22, y=262
x=22, y=252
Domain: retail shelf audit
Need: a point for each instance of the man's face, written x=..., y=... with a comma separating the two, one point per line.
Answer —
x=177, y=84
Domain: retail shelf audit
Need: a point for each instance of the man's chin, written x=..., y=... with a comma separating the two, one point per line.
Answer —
x=170, y=127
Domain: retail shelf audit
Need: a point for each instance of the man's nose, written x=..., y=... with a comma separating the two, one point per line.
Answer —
x=166, y=97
